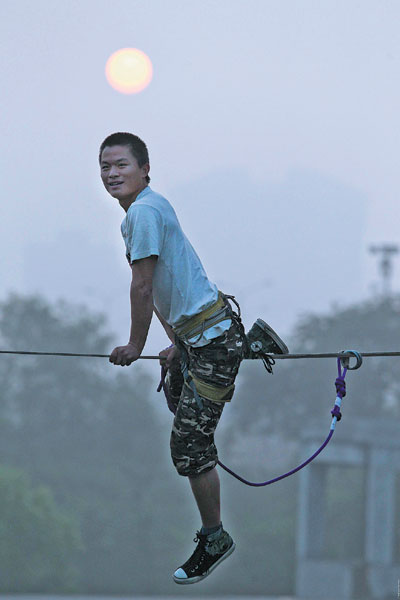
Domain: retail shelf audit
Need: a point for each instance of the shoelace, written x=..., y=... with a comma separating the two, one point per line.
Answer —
x=200, y=537
x=199, y=555
x=268, y=362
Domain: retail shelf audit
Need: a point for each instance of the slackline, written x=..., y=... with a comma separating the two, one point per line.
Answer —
x=274, y=356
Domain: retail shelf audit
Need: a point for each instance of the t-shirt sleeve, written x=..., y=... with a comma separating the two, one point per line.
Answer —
x=144, y=232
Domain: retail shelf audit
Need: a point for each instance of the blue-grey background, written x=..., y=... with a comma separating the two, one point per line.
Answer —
x=272, y=128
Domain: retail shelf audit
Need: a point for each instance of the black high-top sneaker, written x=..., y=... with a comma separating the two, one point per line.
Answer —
x=262, y=339
x=210, y=552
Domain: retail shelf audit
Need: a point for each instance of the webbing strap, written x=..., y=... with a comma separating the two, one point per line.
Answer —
x=211, y=392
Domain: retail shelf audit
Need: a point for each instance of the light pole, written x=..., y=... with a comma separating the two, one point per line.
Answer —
x=386, y=252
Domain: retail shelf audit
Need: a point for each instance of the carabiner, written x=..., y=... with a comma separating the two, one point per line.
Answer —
x=345, y=360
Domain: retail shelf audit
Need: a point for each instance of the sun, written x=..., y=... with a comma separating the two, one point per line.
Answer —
x=129, y=70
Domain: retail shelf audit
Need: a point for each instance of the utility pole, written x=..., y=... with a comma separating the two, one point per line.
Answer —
x=386, y=252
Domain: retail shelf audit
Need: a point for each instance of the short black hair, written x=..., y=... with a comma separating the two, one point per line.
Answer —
x=136, y=146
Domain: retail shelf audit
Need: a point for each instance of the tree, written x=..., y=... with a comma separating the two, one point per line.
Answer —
x=89, y=434
x=39, y=542
x=275, y=407
x=299, y=388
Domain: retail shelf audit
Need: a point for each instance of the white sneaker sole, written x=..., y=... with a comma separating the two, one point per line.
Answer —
x=190, y=580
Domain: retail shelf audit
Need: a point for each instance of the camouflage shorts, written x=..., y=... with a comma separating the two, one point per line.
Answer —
x=193, y=448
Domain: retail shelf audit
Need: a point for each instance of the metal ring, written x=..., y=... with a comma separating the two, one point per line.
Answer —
x=345, y=360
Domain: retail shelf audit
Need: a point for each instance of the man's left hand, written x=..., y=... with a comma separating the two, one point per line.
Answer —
x=124, y=355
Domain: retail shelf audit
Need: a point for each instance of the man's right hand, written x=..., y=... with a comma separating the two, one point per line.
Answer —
x=171, y=354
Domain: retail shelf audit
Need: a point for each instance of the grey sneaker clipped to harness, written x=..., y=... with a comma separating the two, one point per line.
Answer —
x=263, y=340
x=210, y=552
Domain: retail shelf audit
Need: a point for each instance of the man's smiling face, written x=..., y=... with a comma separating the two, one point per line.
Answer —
x=121, y=175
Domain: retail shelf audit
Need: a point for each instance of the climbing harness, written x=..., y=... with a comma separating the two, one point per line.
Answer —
x=195, y=326
x=342, y=360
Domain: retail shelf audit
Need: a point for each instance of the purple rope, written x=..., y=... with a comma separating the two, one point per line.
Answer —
x=264, y=483
x=336, y=414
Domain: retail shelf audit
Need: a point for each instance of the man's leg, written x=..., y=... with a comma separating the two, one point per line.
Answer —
x=194, y=453
x=206, y=490
x=195, y=456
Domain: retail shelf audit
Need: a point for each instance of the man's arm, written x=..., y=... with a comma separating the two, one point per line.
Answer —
x=171, y=353
x=168, y=329
x=141, y=296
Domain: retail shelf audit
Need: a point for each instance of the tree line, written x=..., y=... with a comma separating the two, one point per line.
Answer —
x=89, y=499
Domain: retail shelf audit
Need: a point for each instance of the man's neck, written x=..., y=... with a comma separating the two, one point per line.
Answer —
x=126, y=202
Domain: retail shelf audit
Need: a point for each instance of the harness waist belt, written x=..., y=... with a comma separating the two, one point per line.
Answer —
x=207, y=318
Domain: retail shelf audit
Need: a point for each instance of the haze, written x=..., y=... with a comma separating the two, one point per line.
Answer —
x=272, y=128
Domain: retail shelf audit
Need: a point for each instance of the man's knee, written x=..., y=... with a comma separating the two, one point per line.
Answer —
x=191, y=459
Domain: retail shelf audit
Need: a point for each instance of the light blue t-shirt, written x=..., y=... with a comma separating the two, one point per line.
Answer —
x=181, y=287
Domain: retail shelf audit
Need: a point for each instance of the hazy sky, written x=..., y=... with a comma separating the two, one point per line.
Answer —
x=273, y=129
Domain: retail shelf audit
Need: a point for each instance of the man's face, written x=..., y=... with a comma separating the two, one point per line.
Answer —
x=121, y=175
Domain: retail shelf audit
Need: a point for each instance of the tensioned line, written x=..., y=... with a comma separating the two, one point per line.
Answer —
x=274, y=356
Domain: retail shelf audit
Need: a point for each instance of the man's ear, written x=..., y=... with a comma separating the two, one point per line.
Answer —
x=145, y=169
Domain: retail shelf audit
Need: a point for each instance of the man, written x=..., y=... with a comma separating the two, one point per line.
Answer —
x=207, y=336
